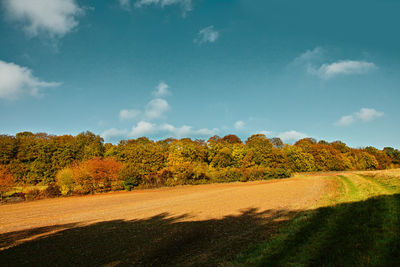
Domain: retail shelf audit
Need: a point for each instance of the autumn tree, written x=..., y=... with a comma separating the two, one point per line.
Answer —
x=96, y=175
x=7, y=180
x=261, y=149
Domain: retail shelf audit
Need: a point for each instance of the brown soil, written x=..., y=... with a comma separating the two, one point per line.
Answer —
x=168, y=213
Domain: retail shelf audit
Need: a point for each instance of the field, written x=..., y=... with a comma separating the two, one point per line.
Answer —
x=331, y=219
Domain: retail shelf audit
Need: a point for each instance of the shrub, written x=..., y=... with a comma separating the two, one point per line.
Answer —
x=96, y=175
x=65, y=181
x=51, y=191
x=33, y=194
x=130, y=177
x=7, y=180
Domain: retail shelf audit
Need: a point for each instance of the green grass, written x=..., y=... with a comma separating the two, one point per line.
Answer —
x=358, y=227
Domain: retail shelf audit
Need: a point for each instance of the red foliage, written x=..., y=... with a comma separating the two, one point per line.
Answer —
x=7, y=180
x=96, y=174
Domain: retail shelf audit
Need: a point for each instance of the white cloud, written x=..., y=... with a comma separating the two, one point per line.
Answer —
x=186, y=5
x=207, y=35
x=266, y=133
x=125, y=4
x=368, y=114
x=207, y=132
x=156, y=108
x=113, y=132
x=345, y=120
x=239, y=125
x=292, y=136
x=344, y=67
x=128, y=114
x=143, y=128
x=16, y=81
x=365, y=115
x=53, y=17
x=313, y=61
x=162, y=89
x=186, y=131
x=310, y=56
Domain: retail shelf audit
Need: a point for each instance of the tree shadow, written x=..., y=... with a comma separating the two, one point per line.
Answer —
x=364, y=233
x=159, y=240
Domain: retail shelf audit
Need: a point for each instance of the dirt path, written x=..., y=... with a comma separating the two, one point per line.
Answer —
x=201, y=202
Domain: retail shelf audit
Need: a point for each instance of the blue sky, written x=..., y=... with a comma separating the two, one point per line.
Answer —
x=160, y=68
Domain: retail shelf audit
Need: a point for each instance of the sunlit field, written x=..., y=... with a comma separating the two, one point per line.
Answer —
x=331, y=219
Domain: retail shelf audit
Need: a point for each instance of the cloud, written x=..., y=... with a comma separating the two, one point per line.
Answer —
x=368, y=114
x=365, y=115
x=113, y=132
x=266, y=133
x=16, y=81
x=344, y=67
x=292, y=136
x=239, y=125
x=309, y=56
x=125, y=4
x=206, y=35
x=314, y=62
x=345, y=120
x=53, y=17
x=143, y=128
x=186, y=131
x=186, y=5
x=162, y=90
x=207, y=132
x=156, y=108
x=128, y=114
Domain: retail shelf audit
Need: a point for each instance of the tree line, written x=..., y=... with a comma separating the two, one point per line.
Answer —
x=84, y=164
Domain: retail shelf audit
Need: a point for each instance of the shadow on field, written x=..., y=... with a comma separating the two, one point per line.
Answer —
x=364, y=233
x=159, y=240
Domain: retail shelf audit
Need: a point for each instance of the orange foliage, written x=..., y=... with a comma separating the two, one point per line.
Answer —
x=7, y=180
x=96, y=175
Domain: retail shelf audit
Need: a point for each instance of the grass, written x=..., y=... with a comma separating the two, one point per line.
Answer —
x=357, y=226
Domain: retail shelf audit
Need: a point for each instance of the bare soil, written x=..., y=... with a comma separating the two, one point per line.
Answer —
x=213, y=220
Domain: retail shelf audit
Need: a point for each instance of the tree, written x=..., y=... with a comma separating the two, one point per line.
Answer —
x=306, y=143
x=90, y=145
x=232, y=139
x=393, y=154
x=261, y=149
x=299, y=160
x=8, y=148
x=276, y=142
x=65, y=180
x=7, y=180
x=96, y=175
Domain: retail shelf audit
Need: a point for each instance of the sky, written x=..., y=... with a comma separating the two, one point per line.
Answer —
x=196, y=68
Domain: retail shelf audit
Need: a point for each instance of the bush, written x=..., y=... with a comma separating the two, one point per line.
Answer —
x=278, y=173
x=33, y=194
x=81, y=190
x=97, y=174
x=130, y=177
x=65, y=181
x=51, y=191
